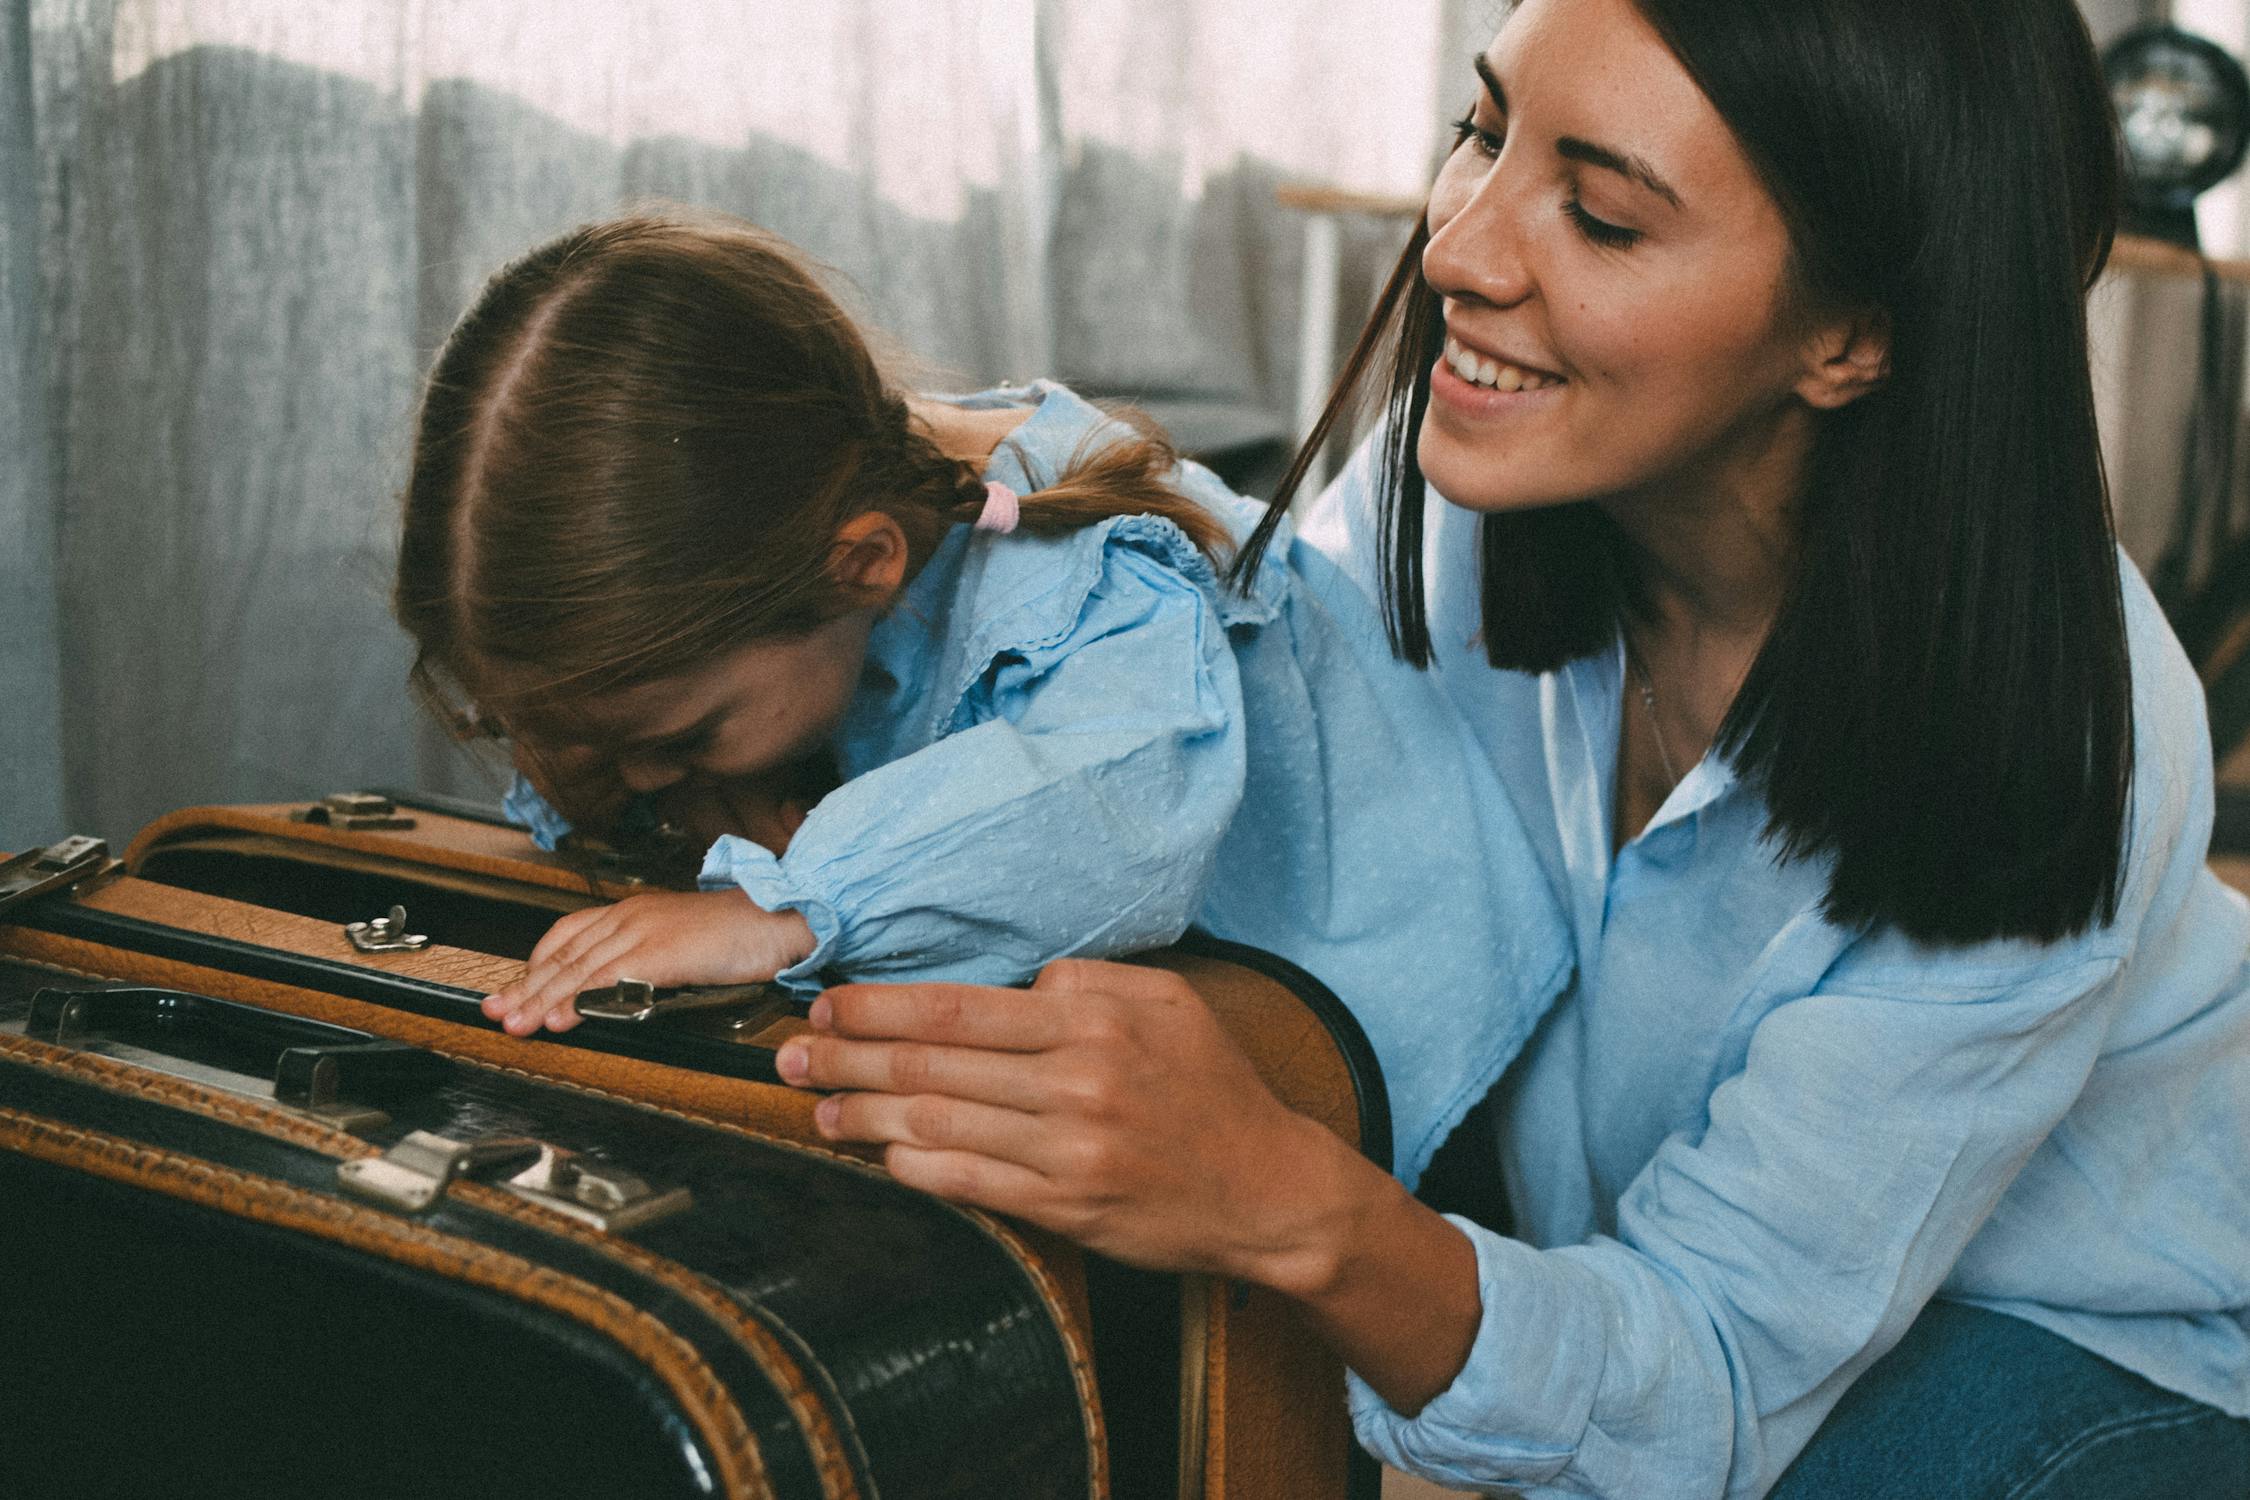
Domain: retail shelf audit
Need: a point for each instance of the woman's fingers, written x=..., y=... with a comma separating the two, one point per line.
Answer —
x=935, y=1122
x=1144, y=1131
x=959, y=1015
x=1006, y=1079
x=981, y=1181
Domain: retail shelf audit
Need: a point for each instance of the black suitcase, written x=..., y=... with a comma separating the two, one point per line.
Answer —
x=487, y=1284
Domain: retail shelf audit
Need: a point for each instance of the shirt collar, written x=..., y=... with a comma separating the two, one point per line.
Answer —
x=1597, y=685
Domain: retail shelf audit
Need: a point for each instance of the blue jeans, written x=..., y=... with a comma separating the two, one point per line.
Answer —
x=1974, y=1405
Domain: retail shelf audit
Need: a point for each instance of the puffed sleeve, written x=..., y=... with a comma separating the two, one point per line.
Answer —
x=1074, y=809
x=1757, y=1269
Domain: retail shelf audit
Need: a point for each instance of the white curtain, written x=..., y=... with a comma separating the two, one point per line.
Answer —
x=235, y=231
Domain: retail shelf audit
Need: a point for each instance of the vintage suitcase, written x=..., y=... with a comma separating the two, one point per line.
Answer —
x=1211, y=1389
x=254, y=1254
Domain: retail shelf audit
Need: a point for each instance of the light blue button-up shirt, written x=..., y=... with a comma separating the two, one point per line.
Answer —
x=1749, y=1145
x=1079, y=744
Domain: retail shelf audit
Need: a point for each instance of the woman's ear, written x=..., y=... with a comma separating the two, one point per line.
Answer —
x=1846, y=358
x=868, y=558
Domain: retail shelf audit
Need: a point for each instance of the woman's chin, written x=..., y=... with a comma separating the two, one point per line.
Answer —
x=1484, y=477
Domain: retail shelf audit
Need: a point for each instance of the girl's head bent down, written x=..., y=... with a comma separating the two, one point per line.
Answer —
x=661, y=490
x=635, y=458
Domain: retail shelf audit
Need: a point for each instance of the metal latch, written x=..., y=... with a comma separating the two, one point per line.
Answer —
x=354, y=811
x=386, y=934
x=638, y=1000
x=67, y=863
x=598, y=1193
x=413, y=1173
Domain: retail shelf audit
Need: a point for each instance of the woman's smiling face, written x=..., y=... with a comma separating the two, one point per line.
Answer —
x=1615, y=279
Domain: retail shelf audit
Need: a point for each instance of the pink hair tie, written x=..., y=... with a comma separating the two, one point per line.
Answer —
x=1001, y=508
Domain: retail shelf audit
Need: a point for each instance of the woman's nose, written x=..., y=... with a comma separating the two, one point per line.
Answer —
x=1477, y=242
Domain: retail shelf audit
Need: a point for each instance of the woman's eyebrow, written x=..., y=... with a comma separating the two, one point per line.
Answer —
x=1491, y=82
x=1575, y=149
x=1628, y=166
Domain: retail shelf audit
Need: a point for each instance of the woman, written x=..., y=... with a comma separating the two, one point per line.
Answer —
x=1893, y=1139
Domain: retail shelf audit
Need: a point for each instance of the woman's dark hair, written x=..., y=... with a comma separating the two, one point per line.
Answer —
x=635, y=451
x=1944, y=704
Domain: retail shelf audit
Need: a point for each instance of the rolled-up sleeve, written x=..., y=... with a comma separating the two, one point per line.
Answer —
x=1760, y=1266
x=1075, y=807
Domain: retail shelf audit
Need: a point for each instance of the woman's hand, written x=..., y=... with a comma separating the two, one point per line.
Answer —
x=687, y=937
x=1105, y=1103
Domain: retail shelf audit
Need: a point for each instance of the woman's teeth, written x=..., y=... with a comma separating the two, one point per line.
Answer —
x=1478, y=369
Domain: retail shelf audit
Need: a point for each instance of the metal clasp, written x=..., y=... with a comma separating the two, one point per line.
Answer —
x=596, y=1193
x=354, y=811
x=386, y=934
x=638, y=1000
x=414, y=1173
x=70, y=862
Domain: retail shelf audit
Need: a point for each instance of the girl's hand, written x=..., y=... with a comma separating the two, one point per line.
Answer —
x=673, y=938
x=1105, y=1103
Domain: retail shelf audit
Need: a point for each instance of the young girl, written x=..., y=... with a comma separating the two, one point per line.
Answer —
x=671, y=530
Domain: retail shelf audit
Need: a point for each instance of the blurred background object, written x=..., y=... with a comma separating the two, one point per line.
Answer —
x=235, y=231
x=2183, y=114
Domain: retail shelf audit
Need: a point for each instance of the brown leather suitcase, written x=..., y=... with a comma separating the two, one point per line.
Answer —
x=259, y=1255
x=1213, y=1390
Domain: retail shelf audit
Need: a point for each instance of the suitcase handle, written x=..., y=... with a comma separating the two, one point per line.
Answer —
x=317, y=1069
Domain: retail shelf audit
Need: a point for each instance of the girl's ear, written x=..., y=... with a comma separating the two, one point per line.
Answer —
x=868, y=558
x=1845, y=359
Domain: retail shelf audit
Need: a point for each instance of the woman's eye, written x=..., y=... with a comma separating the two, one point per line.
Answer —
x=1600, y=231
x=1466, y=131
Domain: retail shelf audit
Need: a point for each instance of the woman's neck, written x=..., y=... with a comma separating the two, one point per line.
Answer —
x=1716, y=547
x=1714, y=551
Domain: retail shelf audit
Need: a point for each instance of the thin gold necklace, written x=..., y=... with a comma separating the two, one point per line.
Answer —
x=1648, y=701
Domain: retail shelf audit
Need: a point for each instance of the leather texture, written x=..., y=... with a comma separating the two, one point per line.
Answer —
x=866, y=1336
